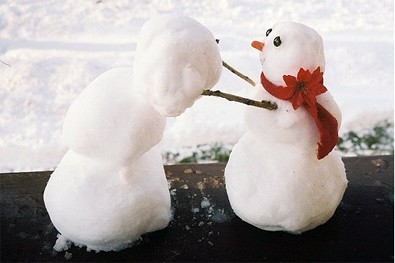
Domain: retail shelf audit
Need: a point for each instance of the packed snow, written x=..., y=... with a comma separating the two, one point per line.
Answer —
x=56, y=48
x=174, y=63
x=110, y=187
x=276, y=177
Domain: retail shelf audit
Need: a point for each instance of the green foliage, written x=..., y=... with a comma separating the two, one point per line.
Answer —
x=217, y=152
x=379, y=140
x=375, y=141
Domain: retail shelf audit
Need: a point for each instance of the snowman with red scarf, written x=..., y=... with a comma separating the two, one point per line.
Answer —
x=283, y=174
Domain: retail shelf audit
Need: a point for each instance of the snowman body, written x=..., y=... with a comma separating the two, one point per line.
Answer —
x=274, y=180
x=110, y=187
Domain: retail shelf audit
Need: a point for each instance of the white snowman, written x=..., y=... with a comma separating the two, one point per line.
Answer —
x=110, y=187
x=283, y=173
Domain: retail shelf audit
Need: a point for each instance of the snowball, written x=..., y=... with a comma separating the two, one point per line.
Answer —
x=176, y=59
x=106, y=207
x=282, y=187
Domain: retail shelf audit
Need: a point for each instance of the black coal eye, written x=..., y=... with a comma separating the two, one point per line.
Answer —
x=277, y=41
x=268, y=31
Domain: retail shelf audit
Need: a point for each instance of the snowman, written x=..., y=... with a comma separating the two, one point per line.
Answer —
x=283, y=174
x=110, y=187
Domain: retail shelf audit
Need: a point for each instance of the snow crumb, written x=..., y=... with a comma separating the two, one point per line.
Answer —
x=219, y=216
x=184, y=186
x=195, y=210
x=61, y=243
x=205, y=203
x=68, y=255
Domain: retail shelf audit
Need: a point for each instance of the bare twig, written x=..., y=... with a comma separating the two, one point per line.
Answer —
x=236, y=72
x=5, y=63
x=261, y=104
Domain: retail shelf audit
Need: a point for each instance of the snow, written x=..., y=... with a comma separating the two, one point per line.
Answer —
x=105, y=121
x=292, y=51
x=56, y=48
x=276, y=177
x=112, y=129
x=68, y=256
x=204, y=203
x=175, y=61
x=61, y=243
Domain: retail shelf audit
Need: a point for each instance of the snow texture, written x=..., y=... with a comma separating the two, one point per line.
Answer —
x=61, y=243
x=295, y=51
x=274, y=180
x=108, y=121
x=56, y=48
x=174, y=63
x=110, y=187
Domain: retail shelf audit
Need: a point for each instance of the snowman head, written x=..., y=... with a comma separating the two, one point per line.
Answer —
x=287, y=47
x=176, y=59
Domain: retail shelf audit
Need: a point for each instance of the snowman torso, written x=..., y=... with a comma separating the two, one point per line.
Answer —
x=105, y=119
x=284, y=125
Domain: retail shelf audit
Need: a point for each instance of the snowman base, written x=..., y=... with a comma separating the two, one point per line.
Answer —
x=134, y=201
x=294, y=193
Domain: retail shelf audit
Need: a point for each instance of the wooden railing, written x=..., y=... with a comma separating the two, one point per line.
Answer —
x=362, y=228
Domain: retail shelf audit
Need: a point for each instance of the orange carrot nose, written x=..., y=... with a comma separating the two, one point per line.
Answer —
x=258, y=45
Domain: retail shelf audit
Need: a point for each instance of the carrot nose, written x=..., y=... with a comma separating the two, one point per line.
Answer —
x=258, y=45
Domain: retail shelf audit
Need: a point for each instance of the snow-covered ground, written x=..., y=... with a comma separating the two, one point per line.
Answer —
x=55, y=48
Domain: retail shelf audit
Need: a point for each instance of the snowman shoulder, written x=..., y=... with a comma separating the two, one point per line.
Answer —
x=99, y=97
x=99, y=105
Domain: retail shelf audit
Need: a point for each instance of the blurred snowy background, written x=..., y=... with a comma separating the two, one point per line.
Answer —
x=54, y=48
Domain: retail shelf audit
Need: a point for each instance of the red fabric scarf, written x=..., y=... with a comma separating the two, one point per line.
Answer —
x=302, y=91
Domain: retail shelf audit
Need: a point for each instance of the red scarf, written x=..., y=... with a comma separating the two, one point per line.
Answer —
x=302, y=91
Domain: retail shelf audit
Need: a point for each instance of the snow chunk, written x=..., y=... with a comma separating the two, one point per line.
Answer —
x=205, y=203
x=61, y=243
x=68, y=256
x=219, y=216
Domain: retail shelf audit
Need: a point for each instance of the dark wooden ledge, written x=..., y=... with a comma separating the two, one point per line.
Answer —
x=204, y=227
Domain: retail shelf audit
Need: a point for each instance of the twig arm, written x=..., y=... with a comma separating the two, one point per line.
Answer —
x=261, y=104
x=238, y=73
x=5, y=63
